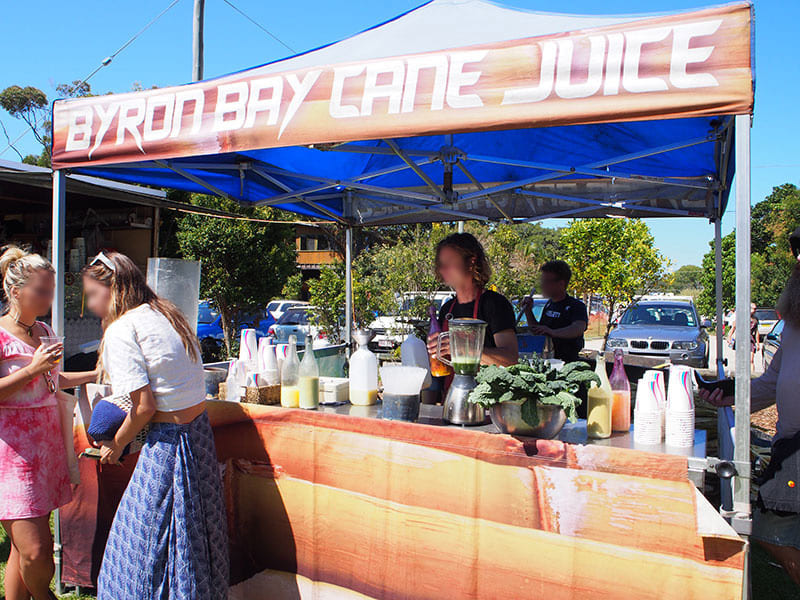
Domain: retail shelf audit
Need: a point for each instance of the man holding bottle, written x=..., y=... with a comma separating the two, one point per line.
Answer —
x=564, y=318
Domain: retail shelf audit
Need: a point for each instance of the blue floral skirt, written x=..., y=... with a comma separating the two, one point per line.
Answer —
x=169, y=538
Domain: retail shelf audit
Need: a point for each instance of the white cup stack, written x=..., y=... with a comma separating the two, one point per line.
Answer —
x=248, y=350
x=660, y=391
x=680, y=407
x=647, y=416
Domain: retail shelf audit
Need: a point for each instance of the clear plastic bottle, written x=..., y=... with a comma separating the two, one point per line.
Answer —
x=621, y=389
x=268, y=363
x=599, y=404
x=438, y=368
x=414, y=353
x=290, y=375
x=308, y=380
x=363, y=372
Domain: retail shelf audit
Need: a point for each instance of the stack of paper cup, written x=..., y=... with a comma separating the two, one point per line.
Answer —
x=647, y=426
x=680, y=407
x=660, y=391
x=248, y=349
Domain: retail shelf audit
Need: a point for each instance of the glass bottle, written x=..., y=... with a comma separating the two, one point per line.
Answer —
x=308, y=381
x=438, y=368
x=621, y=390
x=290, y=374
x=599, y=403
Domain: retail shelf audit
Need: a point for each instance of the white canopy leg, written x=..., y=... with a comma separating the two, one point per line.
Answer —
x=741, y=491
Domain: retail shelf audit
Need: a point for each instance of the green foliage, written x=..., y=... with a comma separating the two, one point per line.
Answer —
x=244, y=264
x=614, y=258
x=772, y=221
x=533, y=384
x=28, y=104
x=293, y=288
x=686, y=279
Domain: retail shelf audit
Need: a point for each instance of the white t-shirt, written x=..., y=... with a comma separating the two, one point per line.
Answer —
x=142, y=348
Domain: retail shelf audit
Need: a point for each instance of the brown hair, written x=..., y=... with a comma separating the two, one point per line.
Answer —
x=470, y=249
x=129, y=289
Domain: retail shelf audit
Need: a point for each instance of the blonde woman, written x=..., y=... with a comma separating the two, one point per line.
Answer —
x=168, y=539
x=34, y=477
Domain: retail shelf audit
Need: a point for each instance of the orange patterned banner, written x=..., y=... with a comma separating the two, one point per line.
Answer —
x=683, y=65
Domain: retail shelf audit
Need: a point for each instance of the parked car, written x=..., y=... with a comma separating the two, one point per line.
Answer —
x=772, y=342
x=209, y=327
x=767, y=319
x=538, y=307
x=276, y=308
x=295, y=321
x=661, y=330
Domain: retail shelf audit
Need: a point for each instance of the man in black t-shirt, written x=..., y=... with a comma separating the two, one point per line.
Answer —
x=564, y=318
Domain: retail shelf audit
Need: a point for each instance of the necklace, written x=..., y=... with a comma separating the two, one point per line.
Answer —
x=28, y=328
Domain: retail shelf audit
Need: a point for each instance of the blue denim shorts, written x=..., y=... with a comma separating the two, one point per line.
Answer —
x=779, y=530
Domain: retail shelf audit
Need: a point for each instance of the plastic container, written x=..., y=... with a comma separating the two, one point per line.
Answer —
x=268, y=373
x=178, y=281
x=621, y=391
x=363, y=372
x=235, y=382
x=401, y=388
x=290, y=376
x=414, y=353
x=308, y=381
x=599, y=404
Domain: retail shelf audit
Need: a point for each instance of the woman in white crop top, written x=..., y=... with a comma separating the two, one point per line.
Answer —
x=169, y=532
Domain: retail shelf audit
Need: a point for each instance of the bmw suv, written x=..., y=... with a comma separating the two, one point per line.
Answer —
x=662, y=330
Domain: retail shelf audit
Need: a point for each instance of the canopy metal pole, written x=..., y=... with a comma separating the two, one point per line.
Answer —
x=718, y=287
x=197, y=39
x=348, y=275
x=741, y=490
x=59, y=233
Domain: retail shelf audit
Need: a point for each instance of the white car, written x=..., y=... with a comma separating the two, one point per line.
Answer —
x=277, y=307
x=391, y=330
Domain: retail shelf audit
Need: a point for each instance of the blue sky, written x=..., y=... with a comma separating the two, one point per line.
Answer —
x=50, y=42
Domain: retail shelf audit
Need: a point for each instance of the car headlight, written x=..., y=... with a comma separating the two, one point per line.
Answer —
x=617, y=343
x=684, y=345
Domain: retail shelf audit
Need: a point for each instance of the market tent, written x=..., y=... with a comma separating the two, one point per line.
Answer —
x=461, y=109
x=598, y=134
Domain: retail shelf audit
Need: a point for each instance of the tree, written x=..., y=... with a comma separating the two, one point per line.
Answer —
x=686, y=280
x=244, y=263
x=614, y=258
x=28, y=104
x=707, y=299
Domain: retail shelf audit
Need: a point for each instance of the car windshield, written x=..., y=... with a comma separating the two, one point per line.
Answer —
x=273, y=306
x=777, y=330
x=670, y=315
x=297, y=316
x=766, y=314
x=538, y=307
x=206, y=314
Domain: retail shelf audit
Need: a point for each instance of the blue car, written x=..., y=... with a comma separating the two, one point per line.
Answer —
x=209, y=326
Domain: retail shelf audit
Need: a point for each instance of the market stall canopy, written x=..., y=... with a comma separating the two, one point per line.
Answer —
x=457, y=109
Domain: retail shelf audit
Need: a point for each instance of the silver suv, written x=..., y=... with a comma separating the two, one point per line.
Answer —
x=661, y=330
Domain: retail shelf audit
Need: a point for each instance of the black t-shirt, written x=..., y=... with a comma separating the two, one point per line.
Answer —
x=564, y=313
x=492, y=308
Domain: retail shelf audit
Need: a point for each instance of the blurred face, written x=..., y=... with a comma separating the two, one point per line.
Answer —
x=98, y=297
x=36, y=296
x=551, y=286
x=452, y=268
x=752, y=308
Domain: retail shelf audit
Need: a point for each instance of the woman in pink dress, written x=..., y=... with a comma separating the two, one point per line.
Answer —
x=34, y=477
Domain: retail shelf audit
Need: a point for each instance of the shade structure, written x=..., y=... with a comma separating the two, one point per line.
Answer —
x=458, y=109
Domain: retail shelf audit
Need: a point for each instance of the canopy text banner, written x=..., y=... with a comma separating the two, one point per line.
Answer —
x=685, y=65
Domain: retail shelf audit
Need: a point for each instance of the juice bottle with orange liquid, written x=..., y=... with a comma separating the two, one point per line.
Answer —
x=621, y=390
x=438, y=368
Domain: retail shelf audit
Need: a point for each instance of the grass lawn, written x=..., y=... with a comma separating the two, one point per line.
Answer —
x=5, y=548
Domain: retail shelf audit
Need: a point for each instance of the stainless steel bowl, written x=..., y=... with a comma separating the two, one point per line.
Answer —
x=507, y=417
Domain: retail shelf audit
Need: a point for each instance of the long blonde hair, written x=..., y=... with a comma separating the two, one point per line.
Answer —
x=17, y=266
x=129, y=289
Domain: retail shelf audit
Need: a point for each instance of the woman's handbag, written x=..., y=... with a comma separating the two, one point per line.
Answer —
x=108, y=415
x=780, y=485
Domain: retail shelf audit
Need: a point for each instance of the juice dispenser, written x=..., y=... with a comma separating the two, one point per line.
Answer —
x=466, y=347
x=363, y=371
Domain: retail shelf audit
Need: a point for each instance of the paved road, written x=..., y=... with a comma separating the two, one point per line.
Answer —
x=596, y=344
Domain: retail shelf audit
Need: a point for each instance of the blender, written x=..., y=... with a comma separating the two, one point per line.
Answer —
x=466, y=347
